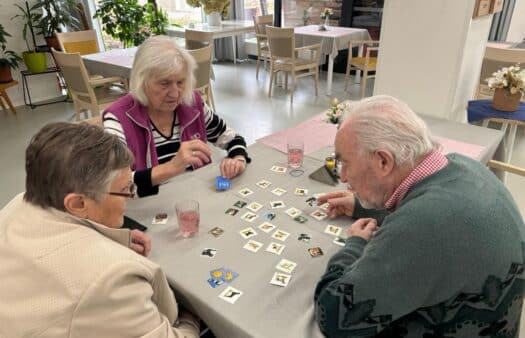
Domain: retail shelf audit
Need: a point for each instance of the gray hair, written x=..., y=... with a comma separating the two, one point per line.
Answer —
x=161, y=56
x=384, y=122
x=65, y=158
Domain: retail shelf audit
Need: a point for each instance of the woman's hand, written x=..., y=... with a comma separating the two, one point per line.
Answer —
x=231, y=167
x=140, y=243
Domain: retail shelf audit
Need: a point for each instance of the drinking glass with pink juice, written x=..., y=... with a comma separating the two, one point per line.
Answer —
x=295, y=153
x=188, y=217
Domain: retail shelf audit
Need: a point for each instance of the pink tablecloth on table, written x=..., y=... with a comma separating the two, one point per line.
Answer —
x=318, y=134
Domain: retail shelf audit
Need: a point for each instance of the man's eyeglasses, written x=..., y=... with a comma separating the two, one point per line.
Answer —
x=131, y=194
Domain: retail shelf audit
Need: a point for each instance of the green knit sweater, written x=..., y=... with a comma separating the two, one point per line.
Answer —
x=448, y=262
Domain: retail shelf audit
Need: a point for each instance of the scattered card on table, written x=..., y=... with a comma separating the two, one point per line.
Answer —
x=267, y=227
x=160, y=218
x=339, y=241
x=301, y=191
x=301, y=219
x=263, y=184
x=245, y=192
x=248, y=232
x=254, y=206
x=249, y=217
x=216, y=231
x=286, y=265
x=333, y=230
x=231, y=211
x=230, y=295
x=240, y=204
x=275, y=248
x=209, y=252
x=304, y=238
x=230, y=275
x=324, y=206
x=252, y=246
x=277, y=204
x=293, y=212
x=319, y=215
x=215, y=282
x=311, y=201
x=280, y=279
x=280, y=235
x=316, y=251
x=269, y=216
x=278, y=169
x=222, y=183
x=278, y=191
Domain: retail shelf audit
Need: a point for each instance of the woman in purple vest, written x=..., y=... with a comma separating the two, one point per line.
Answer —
x=165, y=123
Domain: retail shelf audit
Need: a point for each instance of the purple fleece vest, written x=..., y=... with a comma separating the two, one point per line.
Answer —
x=135, y=122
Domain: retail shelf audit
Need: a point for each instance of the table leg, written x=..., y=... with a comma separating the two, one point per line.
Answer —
x=330, y=74
x=234, y=50
x=8, y=100
x=357, y=78
x=2, y=104
x=512, y=138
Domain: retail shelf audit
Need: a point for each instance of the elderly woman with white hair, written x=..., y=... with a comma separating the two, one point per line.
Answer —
x=165, y=123
x=68, y=270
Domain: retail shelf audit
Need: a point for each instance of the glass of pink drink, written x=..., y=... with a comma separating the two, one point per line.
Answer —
x=188, y=217
x=295, y=154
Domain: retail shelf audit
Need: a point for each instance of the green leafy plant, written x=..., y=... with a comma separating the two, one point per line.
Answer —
x=211, y=6
x=54, y=15
x=129, y=22
x=27, y=16
x=8, y=58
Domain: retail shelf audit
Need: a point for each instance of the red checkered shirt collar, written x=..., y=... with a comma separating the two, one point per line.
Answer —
x=434, y=162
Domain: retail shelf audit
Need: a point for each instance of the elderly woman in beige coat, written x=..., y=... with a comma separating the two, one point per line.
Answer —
x=67, y=269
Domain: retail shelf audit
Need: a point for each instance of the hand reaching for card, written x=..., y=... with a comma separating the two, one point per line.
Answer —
x=232, y=167
x=339, y=203
x=140, y=243
x=364, y=228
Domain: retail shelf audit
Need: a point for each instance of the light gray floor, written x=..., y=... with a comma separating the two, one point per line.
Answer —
x=239, y=98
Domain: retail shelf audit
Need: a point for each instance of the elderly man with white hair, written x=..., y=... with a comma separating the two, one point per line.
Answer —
x=437, y=249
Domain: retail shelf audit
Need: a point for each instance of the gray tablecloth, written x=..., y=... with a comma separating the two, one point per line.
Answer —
x=264, y=310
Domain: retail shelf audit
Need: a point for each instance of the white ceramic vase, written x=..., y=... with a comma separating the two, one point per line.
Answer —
x=214, y=19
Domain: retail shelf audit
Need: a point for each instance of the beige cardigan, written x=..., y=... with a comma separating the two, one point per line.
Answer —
x=61, y=276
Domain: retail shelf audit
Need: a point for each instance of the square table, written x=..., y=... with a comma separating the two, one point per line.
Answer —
x=332, y=41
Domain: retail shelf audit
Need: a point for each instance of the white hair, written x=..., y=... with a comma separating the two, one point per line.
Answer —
x=160, y=56
x=384, y=122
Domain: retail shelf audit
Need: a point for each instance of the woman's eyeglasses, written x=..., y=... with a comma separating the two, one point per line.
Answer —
x=131, y=194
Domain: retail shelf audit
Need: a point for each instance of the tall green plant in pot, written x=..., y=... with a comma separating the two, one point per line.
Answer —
x=53, y=16
x=8, y=58
x=129, y=22
x=35, y=61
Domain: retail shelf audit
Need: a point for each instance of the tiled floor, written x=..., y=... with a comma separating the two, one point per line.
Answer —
x=239, y=98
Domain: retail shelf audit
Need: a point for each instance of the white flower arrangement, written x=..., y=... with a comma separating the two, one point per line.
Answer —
x=326, y=13
x=337, y=110
x=509, y=78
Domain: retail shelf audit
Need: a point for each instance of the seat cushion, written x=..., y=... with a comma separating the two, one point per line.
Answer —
x=360, y=62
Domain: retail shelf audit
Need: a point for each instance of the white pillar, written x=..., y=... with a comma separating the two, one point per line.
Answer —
x=431, y=54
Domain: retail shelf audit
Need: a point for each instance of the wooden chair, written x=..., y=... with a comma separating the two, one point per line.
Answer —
x=87, y=93
x=284, y=57
x=495, y=59
x=203, y=57
x=362, y=63
x=197, y=39
x=506, y=167
x=263, y=53
x=82, y=42
x=5, y=96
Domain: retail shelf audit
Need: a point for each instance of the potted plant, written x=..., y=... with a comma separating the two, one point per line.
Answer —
x=8, y=59
x=215, y=9
x=35, y=61
x=130, y=22
x=54, y=16
x=509, y=85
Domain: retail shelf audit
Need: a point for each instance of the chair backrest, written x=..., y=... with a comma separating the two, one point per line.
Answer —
x=197, y=39
x=74, y=72
x=202, y=57
x=281, y=42
x=261, y=22
x=83, y=42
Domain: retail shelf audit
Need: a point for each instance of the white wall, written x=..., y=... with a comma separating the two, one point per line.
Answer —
x=42, y=86
x=517, y=23
x=431, y=54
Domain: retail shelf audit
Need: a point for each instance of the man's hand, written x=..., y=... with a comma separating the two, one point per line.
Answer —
x=232, y=167
x=140, y=243
x=339, y=203
x=364, y=228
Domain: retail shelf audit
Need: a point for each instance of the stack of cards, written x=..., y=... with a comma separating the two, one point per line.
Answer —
x=220, y=276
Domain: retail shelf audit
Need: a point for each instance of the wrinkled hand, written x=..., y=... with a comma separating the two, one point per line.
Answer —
x=339, y=203
x=364, y=228
x=195, y=153
x=231, y=167
x=140, y=243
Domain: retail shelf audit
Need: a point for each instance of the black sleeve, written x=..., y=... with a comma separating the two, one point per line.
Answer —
x=142, y=179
